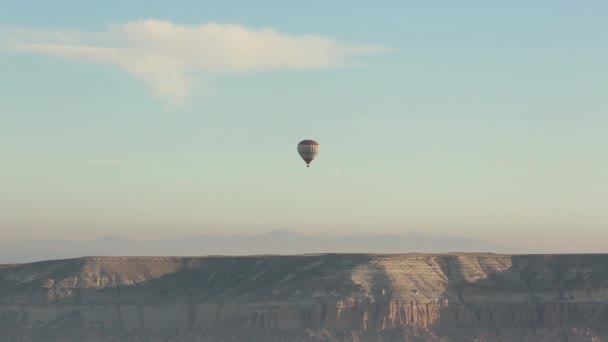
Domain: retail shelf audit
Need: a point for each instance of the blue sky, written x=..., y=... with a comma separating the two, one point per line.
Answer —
x=472, y=119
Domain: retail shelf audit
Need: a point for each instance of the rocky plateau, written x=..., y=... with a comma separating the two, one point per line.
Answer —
x=315, y=297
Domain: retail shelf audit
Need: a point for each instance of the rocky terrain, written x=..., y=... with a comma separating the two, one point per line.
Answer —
x=323, y=297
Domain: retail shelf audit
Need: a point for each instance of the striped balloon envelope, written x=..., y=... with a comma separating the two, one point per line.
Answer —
x=308, y=150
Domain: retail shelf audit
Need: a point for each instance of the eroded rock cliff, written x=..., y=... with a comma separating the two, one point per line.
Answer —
x=327, y=297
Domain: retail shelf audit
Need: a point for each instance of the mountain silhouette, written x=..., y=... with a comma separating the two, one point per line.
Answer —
x=273, y=242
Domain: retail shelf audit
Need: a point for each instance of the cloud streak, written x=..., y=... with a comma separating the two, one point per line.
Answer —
x=169, y=57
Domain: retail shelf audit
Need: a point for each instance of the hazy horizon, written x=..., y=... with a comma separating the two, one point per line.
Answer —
x=276, y=242
x=162, y=121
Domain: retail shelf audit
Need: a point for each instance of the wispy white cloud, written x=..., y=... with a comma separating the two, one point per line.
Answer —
x=169, y=57
x=109, y=162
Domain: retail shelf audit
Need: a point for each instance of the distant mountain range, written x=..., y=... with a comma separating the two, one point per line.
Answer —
x=274, y=242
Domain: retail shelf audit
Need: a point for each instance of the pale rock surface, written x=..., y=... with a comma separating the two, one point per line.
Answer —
x=324, y=297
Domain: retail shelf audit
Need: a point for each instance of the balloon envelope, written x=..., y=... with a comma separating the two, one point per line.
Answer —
x=308, y=150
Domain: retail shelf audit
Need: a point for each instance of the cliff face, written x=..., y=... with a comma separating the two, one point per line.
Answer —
x=327, y=297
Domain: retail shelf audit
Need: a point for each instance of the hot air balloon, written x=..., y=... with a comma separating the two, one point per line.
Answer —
x=308, y=150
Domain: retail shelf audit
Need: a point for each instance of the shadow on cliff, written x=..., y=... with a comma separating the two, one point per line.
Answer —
x=485, y=297
x=246, y=277
x=202, y=300
x=523, y=298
